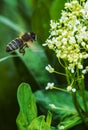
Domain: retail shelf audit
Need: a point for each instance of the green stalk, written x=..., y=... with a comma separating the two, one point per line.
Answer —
x=67, y=74
x=78, y=108
x=82, y=91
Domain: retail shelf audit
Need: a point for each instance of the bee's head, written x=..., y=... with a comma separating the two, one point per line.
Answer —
x=33, y=36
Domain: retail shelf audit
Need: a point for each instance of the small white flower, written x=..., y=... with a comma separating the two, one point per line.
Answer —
x=86, y=6
x=74, y=29
x=53, y=24
x=77, y=22
x=61, y=127
x=53, y=106
x=87, y=46
x=72, y=70
x=67, y=5
x=74, y=90
x=44, y=44
x=85, y=56
x=83, y=29
x=69, y=88
x=49, y=86
x=84, y=71
x=64, y=40
x=80, y=55
x=49, y=68
x=72, y=40
x=80, y=66
x=64, y=33
x=83, y=44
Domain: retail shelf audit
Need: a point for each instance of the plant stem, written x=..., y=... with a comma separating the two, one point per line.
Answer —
x=59, y=73
x=60, y=89
x=67, y=74
x=78, y=108
x=82, y=90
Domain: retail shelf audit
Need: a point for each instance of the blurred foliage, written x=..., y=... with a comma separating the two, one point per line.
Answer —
x=17, y=17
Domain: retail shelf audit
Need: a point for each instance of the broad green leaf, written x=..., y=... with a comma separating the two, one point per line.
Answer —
x=39, y=124
x=58, y=102
x=35, y=60
x=28, y=110
x=62, y=107
x=9, y=23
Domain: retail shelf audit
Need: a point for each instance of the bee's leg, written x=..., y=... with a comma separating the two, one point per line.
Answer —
x=21, y=50
x=26, y=45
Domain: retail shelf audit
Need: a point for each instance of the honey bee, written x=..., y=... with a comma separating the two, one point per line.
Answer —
x=21, y=42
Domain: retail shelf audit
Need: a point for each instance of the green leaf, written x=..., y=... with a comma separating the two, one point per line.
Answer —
x=39, y=124
x=9, y=23
x=35, y=60
x=53, y=128
x=69, y=122
x=28, y=110
x=56, y=7
x=62, y=101
x=49, y=118
x=61, y=105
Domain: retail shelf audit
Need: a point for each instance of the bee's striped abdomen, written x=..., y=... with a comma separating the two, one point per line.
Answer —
x=13, y=45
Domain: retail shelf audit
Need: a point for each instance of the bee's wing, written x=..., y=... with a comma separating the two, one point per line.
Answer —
x=34, y=47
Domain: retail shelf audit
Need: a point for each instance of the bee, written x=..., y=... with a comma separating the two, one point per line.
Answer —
x=21, y=42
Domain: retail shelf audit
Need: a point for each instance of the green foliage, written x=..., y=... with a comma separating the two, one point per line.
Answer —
x=39, y=124
x=69, y=122
x=27, y=118
x=62, y=107
x=62, y=101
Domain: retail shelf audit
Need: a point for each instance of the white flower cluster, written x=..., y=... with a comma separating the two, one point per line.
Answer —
x=69, y=36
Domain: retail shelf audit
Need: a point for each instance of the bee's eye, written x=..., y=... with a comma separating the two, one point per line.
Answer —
x=33, y=36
